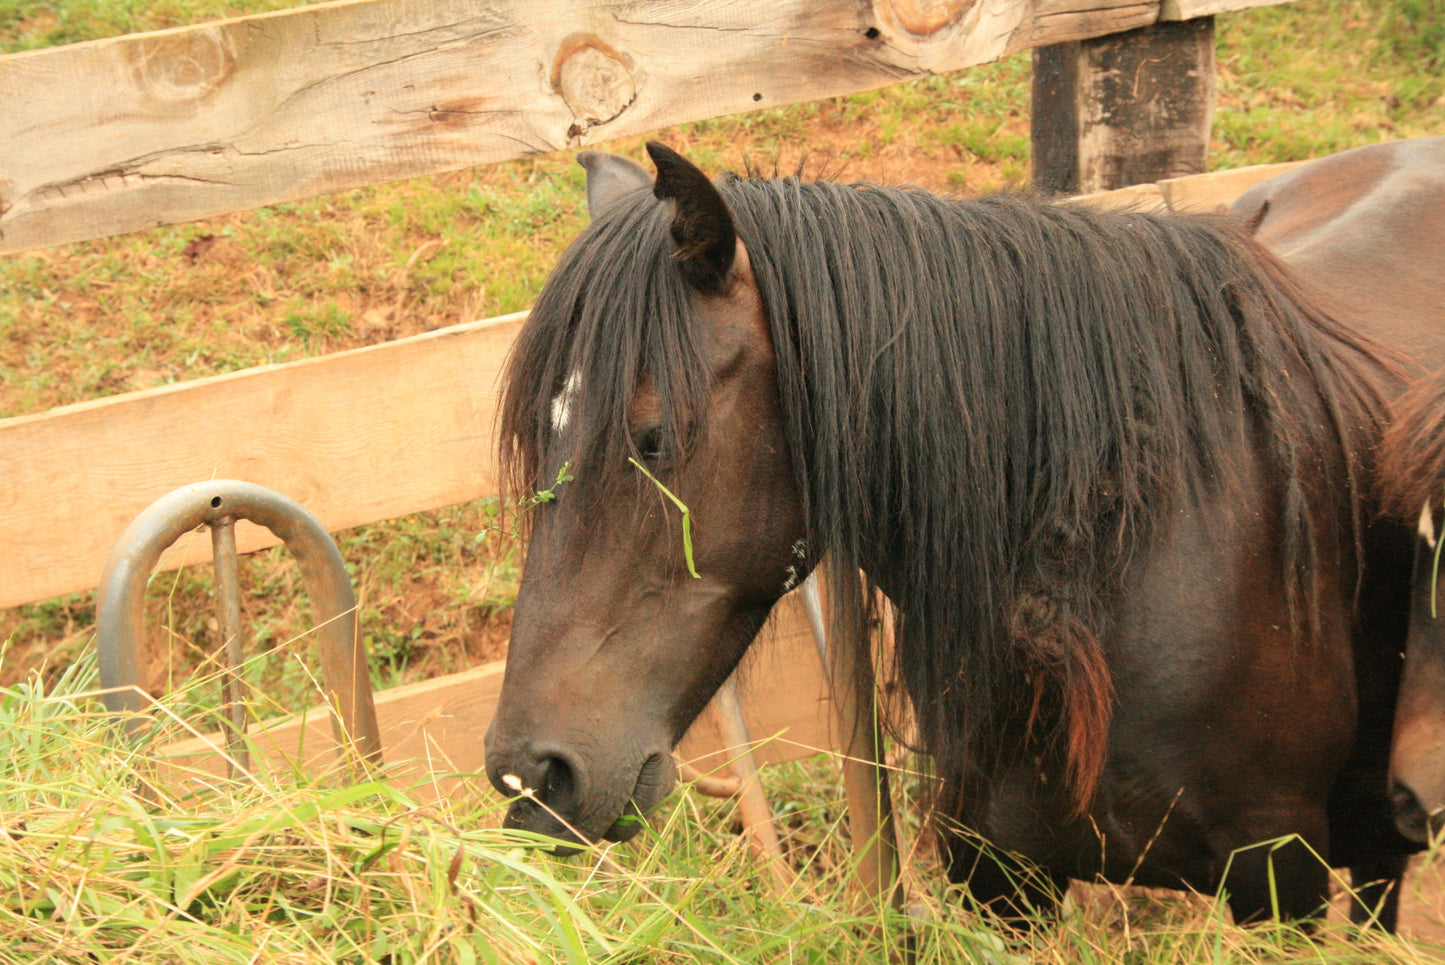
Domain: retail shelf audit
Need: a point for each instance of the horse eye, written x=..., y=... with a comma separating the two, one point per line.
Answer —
x=650, y=445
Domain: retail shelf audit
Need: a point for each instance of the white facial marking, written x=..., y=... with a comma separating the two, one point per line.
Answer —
x=562, y=402
x=1427, y=525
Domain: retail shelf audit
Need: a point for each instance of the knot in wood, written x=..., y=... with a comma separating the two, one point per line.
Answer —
x=922, y=18
x=183, y=66
x=594, y=79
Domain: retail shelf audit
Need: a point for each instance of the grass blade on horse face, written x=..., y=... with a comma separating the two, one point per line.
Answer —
x=686, y=516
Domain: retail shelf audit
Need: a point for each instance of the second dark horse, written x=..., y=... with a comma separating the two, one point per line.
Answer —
x=1113, y=470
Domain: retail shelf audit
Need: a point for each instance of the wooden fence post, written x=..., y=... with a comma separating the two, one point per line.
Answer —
x=1129, y=108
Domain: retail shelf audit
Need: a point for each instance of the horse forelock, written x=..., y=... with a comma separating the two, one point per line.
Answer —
x=614, y=315
x=995, y=402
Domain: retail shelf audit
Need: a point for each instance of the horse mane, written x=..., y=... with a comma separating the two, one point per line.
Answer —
x=992, y=406
x=1411, y=469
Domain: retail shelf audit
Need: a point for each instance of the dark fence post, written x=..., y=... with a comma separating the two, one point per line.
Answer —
x=1129, y=108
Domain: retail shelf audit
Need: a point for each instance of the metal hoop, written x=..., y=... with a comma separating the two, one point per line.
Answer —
x=218, y=504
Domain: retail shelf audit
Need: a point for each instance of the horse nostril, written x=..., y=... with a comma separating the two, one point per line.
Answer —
x=1410, y=816
x=550, y=780
x=558, y=782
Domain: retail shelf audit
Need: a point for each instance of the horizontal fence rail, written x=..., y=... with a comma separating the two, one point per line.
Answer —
x=356, y=437
x=117, y=135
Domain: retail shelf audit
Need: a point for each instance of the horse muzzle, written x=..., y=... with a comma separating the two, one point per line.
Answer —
x=1417, y=772
x=557, y=793
x=1413, y=818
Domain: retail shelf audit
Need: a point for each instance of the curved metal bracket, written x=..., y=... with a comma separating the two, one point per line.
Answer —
x=218, y=504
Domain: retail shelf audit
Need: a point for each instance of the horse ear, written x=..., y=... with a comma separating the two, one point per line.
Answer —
x=702, y=226
x=609, y=177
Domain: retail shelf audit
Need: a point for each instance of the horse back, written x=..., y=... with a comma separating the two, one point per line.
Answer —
x=1365, y=230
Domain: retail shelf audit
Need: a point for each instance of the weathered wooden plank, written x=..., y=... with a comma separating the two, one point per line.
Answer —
x=1054, y=120
x=121, y=134
x=432, y=732
x=1131, y=108
x=356, y=437
x=1139, y=197
x=1189, y=9
x=1216, y=191
x=1146, y=110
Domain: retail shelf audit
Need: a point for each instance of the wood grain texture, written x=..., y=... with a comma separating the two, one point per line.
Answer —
x=1131, y=108
x=1145, y=102
x=1217, y=191
x=1136, y=197
x=116, y=135
x=1214, y=192
x=432, y=731
x=1053, y=120
x=355, y=437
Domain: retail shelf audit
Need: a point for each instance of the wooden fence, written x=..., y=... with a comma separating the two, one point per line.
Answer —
x=116, y=135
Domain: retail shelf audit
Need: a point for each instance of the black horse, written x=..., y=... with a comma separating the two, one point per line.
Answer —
x=1111, y=469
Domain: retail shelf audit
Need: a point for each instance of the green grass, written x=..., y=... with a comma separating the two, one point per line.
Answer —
x=32, y=24
x=1308, y=79
x=285, y=868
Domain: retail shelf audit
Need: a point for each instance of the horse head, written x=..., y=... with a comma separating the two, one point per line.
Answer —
x=1411, y=472
x=642, y=409
x=1417, y=752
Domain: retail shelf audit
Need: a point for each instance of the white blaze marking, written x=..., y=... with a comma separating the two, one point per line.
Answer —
x=562, y=402
x=1427, y=525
